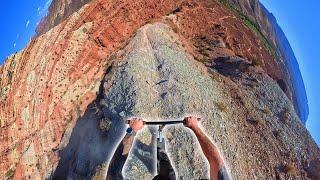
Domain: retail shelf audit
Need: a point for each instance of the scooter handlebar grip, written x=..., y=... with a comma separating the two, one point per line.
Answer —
x=128, y=122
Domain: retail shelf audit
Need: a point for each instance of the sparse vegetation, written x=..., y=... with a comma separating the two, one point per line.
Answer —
x=266, y=111
x=276, y=133
x=104, y=124
x=252, y=25
x=38, y=166
x=257, y=62
x=285, y=116
x=221, y=106
x=255, y=121
x=288, y=168
x=100, y=171
x=175, y=29
x=10, y=174
x=149, y=21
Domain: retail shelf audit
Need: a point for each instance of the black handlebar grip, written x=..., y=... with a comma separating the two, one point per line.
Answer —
x=159, y=122
x=128, y=122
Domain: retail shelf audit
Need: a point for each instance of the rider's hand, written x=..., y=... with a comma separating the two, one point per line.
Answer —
x=191, y=122
x=136, y=124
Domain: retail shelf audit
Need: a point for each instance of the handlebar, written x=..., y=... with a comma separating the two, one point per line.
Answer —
x=161, y=122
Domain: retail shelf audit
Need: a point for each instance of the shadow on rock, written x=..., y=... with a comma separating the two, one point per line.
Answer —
x=230, y=66
x=89, y=144
x=92, y=142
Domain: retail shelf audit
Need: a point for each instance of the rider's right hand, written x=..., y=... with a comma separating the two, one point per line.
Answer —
x=191, y=122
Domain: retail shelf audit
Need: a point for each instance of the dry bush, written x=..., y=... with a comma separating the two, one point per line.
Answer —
x=10, y=174
x=276, y=133
x=288, y=168
x=221, y=106
x=255, y=121
x=104, y=124
x=257, y=62
x=285, y=116
x=100, y=171
x=266, y=111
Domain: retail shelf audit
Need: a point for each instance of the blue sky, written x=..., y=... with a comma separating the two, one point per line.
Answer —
x=299, y=20
x=18, y=22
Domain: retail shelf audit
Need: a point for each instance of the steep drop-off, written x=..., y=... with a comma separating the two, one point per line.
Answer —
x=255, y=16
x=65, y=97
x=259, y=18
x=58, y=11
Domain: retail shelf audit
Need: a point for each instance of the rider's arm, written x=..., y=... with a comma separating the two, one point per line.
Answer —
x=210, y=151
x=120, y=156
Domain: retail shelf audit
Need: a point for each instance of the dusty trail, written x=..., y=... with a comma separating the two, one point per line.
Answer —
x=153, y=77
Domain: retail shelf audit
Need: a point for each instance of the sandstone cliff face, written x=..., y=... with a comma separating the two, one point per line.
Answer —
x=58, y=11
x=290, y=79
x=65, y=97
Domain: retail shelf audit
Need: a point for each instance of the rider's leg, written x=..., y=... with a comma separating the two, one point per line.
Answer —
x=165, y=169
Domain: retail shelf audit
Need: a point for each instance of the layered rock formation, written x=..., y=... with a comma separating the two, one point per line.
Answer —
x=268, y=27
x=255, y=15
x=65, y=97
x=58, y=11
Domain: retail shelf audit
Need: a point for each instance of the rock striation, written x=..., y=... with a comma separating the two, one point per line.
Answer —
x=268, y=26
x=254, y=14
x=64, y=98
x=58, y=11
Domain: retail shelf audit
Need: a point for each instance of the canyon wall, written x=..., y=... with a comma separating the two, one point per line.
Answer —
x=58, y=11
x=291, y=81
x=267, y=24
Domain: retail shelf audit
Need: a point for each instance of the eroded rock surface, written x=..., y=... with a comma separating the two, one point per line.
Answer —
x=155, y=78
x=259, y=17
x=58, y=11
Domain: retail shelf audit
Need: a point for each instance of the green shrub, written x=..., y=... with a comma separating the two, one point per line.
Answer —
x=10, y=174
x=251, y=25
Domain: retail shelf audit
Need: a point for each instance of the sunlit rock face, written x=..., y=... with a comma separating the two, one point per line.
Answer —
x=255, y=15
x=58, y=11
x=64, y=98
x=293, y=83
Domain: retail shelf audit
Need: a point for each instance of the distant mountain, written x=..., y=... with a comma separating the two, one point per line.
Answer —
x=300, y=100
x=269, y=27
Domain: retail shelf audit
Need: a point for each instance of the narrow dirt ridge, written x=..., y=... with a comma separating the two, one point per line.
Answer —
x=161, y=81
x=155, y=78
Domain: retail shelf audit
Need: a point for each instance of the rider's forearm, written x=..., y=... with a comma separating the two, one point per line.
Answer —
x=119, y=158
x=209, y=149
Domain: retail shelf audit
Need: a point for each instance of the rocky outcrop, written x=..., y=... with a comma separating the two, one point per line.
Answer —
x=269, y=27
x=65, y=97
x=58, y=11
